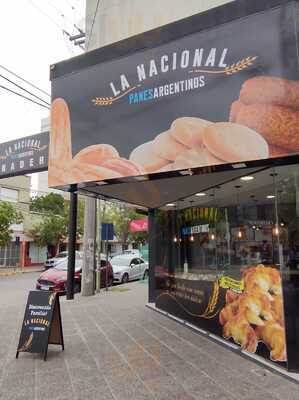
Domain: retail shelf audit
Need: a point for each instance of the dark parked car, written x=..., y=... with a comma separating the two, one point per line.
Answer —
x=54, y=279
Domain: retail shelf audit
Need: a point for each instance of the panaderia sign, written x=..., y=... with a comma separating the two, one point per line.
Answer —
x=220, y=95
x=25, y=155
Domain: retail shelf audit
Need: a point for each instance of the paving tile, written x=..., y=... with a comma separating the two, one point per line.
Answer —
x=116, y=349
x=131, y=389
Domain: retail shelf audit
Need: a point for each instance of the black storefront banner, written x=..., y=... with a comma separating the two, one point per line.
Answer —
x=25, y=155
x=247, y=309
x=42, y=324
x=221, y=95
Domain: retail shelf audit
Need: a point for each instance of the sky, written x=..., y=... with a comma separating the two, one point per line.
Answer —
x=32, y=40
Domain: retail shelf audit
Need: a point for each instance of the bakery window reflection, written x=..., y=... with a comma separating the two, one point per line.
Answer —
x=242, y=222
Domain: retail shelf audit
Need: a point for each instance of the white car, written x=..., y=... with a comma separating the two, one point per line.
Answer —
x=128, y=267
x=62, y=258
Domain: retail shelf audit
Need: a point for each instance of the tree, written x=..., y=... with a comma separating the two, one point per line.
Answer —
x=50, y=231
x=54, y=226
x=50, y=203
x=121, y=216
x=8, y=216
x=80, y=215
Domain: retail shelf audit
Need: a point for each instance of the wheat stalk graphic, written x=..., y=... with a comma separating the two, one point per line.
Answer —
x=107, y=101
x=103, y=101
x=240, y=65
x=230, y=69
x=26, y=346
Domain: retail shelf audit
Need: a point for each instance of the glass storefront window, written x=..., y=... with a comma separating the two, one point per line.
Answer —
x=229, y=245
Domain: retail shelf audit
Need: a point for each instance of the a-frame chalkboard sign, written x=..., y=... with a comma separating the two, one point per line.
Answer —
x=42, y=323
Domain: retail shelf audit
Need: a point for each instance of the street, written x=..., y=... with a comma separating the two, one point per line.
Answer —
x=116, y=348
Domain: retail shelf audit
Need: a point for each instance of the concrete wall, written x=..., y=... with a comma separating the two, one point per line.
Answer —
x=119, y=19
x=22, y=184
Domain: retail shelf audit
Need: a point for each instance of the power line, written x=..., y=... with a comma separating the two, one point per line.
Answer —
x=49, y=17
x=25, y=90
x=24, y=80
x=61, y=13
x=94, y=17
x=24, y=97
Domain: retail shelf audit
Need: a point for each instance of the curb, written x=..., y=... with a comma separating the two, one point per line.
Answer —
x=18, y=272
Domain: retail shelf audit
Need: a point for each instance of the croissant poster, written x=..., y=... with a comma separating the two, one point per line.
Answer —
x=246, y=310
x=222, y=95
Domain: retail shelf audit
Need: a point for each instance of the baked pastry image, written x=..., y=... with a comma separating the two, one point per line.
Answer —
x=241, y=331
x=147, y=158
x=256, y=314
x=60, y=149
x=270, y=90
x=188, y=130
x=96, y=154
x=273, y=335
x=270, y=106
x=198, y=156
x=166, y=147
x=93, y=163
x=234, y=142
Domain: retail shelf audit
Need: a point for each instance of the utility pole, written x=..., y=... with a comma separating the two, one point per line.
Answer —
x=72, y=234
x=89, y=254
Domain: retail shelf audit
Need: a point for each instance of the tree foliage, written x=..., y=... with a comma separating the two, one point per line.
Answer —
x=121, y=216
x=8, y=216
x=54, y=226
x=50, y=231
x=52, y=203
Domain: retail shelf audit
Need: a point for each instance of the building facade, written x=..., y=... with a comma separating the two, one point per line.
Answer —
x=21, y=251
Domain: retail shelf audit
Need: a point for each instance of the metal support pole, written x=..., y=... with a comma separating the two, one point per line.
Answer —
x=89, y=255
x=151, y=255
x=72, y=243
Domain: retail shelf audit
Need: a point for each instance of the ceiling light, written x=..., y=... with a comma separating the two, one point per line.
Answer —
x=170, y=205
x=191, y=238
x=101, y=183
x=201, y=194
x=186, y=172
x=238, y=165
x=247, y=178
x=270, y=196
x=141, y=178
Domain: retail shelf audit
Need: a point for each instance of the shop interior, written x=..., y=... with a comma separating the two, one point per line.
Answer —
x=242, y=221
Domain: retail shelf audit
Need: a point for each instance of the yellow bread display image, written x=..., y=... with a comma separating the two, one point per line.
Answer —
x=145, y=156
x=233, y=142
x=240, y=330
x=166, y=147
x=188, y=130
x=263, y=279
x=273, y=335
x=257, y=309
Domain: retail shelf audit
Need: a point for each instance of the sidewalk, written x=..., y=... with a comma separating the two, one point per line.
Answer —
x=118, y=349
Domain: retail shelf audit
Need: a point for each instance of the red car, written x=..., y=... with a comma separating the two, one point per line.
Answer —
x=54, y=279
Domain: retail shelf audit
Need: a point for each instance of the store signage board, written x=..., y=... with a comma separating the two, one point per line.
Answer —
x=139, y=225
x=24, y=155
x=220, y=95
x=107, y=231
x=42, y=323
